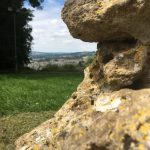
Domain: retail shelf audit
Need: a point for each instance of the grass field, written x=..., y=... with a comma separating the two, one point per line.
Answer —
x=26, y=100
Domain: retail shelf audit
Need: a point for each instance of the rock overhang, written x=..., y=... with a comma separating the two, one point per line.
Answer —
x=108, y=20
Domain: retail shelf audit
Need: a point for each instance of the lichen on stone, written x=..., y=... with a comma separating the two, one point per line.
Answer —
x=105, y=104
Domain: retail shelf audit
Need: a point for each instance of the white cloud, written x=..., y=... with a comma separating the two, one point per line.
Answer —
x=51, y=34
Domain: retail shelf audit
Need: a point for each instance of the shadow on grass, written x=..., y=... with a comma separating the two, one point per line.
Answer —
x=14, y=126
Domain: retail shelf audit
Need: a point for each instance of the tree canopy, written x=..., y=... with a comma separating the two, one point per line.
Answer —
x=23, y=32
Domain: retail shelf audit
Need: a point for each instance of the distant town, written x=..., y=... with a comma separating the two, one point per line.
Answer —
x=41, y=60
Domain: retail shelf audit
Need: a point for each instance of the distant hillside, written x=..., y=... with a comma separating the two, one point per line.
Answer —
x=44, y=56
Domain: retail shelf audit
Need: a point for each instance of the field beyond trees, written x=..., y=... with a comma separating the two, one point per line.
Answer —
x=26, y=100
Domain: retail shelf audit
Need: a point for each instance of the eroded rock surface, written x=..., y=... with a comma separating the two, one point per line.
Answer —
x=111, y=108
x=108, y=20
x=95, y=116
x=116, y=65
x=121, y=123
x=118, y=120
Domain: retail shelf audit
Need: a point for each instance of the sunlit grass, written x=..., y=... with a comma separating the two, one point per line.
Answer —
x=35, y=92
x=26, y=100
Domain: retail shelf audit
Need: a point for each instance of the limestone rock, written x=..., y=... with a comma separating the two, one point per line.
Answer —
x=96, y=116
x=111, y=108
x=126, y=67
x=108, y=20
x=117, y=120
x=124, y=127
x=116, y=65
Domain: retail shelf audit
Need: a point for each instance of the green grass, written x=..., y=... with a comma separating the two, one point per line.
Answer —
x=13, y=126
x=26, y=100
x=35, y=92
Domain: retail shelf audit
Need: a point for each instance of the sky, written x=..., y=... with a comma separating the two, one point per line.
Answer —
x=51, y=34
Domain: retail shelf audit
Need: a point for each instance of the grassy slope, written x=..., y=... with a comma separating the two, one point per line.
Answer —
x=26, y=100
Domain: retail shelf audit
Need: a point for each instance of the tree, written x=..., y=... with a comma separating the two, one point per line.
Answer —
x=23, y=32
x=35, y=3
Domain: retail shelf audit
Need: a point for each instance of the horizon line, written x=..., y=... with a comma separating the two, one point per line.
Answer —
x=62, y=51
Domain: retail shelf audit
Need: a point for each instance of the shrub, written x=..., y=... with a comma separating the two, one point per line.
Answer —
x=61, y=68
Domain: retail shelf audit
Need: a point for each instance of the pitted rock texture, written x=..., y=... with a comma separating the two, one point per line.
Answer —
x=95, y=116
x=108, y=20
x=116, y=65
x=78, y=125
x=127, y=127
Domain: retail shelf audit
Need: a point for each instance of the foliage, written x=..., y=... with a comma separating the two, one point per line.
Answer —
x=61, y=68
x=89, y=61
x=23, y=32
x=35, y=3
x=69, y=67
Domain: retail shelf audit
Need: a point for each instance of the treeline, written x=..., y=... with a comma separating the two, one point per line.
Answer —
x=15, y=32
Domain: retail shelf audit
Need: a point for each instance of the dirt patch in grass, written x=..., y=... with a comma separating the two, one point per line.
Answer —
x=13, y=126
